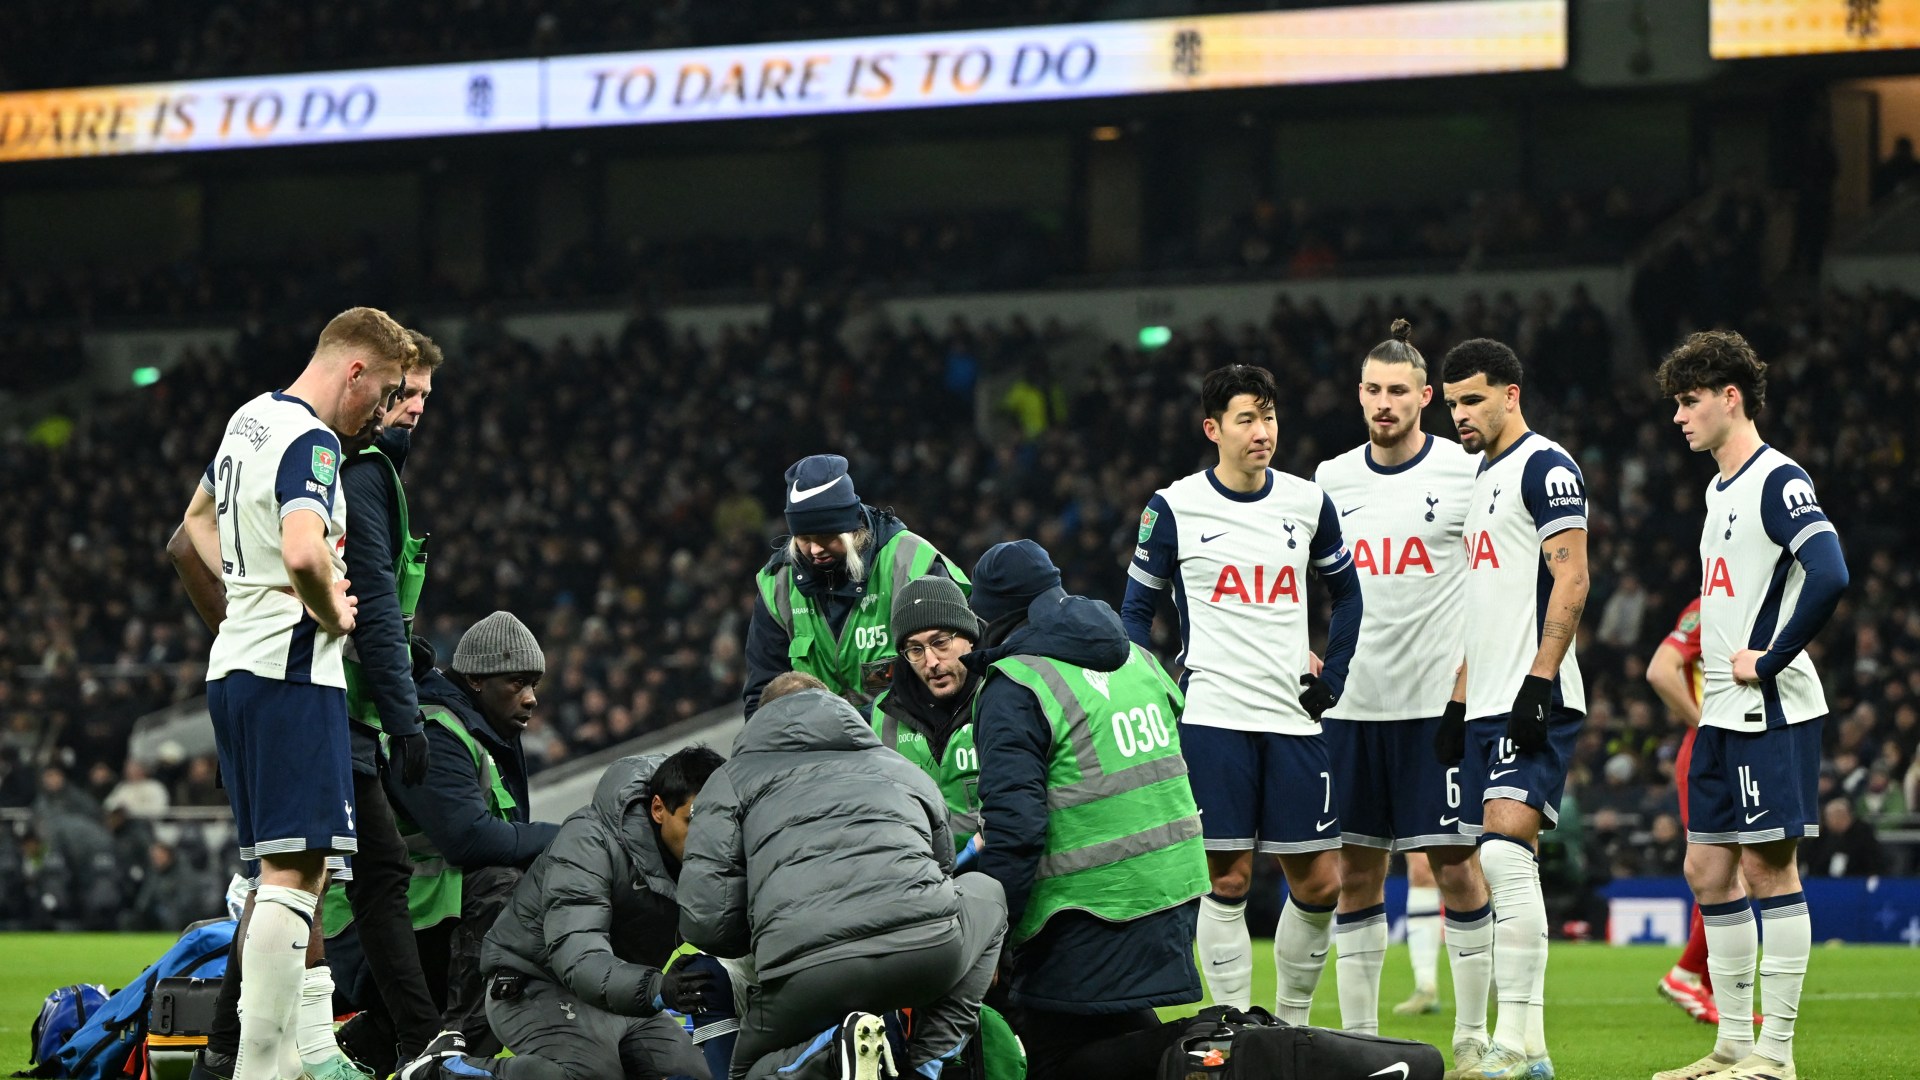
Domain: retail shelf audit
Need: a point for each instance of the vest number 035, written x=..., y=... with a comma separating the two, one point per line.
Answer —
x=870, y=637
x=1139, y=730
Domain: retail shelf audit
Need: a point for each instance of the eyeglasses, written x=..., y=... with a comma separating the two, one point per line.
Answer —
x=916, y=652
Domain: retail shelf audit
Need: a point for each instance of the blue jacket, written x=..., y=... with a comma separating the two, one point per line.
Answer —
x=767, y=642
x=1078, y=963
x=450, y=806
x=373, y=542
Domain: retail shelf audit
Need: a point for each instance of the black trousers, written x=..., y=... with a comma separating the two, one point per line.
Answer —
x=1068, y=1046
x=378, y=895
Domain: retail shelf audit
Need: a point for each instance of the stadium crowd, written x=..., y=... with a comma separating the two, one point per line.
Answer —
x=98, y=41
x=620, y=494
x=953, y=252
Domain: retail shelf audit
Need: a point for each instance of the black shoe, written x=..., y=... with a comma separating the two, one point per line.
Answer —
x=208, y=1065
x=363, y=1040
x=446, y=1045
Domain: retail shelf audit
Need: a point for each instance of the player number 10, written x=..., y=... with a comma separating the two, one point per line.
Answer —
x=1139, y=730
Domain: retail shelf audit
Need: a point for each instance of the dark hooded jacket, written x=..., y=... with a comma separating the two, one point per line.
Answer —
x=596, y=911
x=380, y=631
x=834, y=593
x=814, y=842
x=450, y=806
x=1078, y=963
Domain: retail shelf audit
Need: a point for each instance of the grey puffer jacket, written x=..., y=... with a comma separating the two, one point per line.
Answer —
x=595, y=913
x=814, y=842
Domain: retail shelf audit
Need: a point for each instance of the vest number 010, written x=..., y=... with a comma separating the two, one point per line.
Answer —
x=1139, y=730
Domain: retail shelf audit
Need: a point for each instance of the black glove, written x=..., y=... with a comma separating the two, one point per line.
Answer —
x=687, y=989
x=407, y=756
x=1450, y=738
x=1316, y=696
x=423, y=656
x=1527, y=723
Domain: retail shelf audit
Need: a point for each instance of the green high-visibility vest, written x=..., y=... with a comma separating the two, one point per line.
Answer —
x=1123, y=833
x=856, y=663
x=409, y=577
x=956, y=772
x=433, y=892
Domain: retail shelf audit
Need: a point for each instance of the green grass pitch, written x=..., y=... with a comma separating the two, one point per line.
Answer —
x=1860, y=1018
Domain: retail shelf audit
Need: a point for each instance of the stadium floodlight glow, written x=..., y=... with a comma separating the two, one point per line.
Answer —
x=762, y=81
x=146, y=376
x=1743, y=29
x=1154, y=337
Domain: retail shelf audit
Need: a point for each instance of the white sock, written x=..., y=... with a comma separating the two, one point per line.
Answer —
x=1226, y=950
x=1519, y=935
x=275, y=957
x=1537, y=1003
x=317, y=1045
x=1423, y=935
x=1361, y=938
x=1470, y=937
x=1733, y=947
x=1783, y=967
x=1299, y=954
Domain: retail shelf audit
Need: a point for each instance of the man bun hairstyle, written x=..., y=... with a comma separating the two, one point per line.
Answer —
x=1222, y=385
x=1712, y=360
x=1482, y=356
x=1398, y=348
x=369, y=330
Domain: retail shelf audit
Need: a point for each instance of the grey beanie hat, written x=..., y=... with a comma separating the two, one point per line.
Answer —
x=931, y=602
x=497, y=645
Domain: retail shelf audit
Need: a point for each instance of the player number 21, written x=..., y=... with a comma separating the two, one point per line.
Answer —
x=229, y=477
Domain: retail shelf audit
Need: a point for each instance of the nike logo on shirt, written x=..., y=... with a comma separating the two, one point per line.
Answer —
x=800, y=494
x=1210, y=539
x=1344, y=513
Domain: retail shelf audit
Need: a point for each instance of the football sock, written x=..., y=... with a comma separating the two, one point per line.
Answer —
x=1226, y=950
x=1733, y=946
x=1783, y=967
x=1423, y=935
x=1693, y=958
x=1361, y=938
x=1519, y=935
x=1299, y=953
x=1470, y=936
x=315, y=1035
x=275, y=955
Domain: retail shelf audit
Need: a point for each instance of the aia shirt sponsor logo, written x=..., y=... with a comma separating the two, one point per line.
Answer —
x=1254, y=585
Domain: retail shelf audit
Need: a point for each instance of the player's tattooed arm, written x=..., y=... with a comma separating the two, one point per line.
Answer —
x=1566, y=557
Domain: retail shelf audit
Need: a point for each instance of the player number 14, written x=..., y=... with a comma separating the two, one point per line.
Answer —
x=1749, y=788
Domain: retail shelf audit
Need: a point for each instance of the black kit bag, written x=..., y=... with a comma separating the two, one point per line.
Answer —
x=1307, y=1053
x=1202, y=1046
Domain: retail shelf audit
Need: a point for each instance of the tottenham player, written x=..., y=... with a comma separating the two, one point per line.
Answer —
x=1772, y=574
x=1674, y=674
x=1235, y=542
x=1520, y=699
x=1403, y=497
x=270, y=520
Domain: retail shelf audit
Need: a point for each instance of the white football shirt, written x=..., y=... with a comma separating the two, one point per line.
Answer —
x=276, y=458
x=1529, y=493
x=1403, y=524
x=1750, y=586
x=1238, y=567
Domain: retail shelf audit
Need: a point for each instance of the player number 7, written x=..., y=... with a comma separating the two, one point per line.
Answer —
x=1326, y=801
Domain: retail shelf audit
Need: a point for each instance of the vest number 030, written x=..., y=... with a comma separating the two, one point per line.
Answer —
x=1139, y=730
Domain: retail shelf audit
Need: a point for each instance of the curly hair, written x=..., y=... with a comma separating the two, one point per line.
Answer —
x=1712, y=360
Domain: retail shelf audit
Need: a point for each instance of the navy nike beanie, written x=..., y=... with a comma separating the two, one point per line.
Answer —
x=1009, y=576
x=820, y=497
